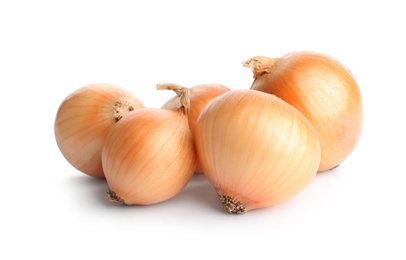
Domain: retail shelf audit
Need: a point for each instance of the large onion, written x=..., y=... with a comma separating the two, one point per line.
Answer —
x=256, y=149
x=324, y=90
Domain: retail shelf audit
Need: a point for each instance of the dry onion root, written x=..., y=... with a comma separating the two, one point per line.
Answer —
x=324, y=90
x=196, y=97
x=149, y=156
x=255, y=149
x=83, y=120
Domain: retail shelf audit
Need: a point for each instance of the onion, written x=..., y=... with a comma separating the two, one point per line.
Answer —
x=148, y=157
x=196, y=97
x=255, y=149
x=83, y=120
x=324, y=90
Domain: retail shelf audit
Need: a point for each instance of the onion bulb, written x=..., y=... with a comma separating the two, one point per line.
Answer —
x=196, y=97
x=255, y=149
x=148, y=157
x=324, y=90
x=83, y=120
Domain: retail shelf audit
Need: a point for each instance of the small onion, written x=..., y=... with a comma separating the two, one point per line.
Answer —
x=324, y=90
x=255, y=149
x=148, y=157
x=83, y=120
x=196, y=97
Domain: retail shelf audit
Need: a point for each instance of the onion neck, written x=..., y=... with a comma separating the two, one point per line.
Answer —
x=260, y=64
x=183, y=94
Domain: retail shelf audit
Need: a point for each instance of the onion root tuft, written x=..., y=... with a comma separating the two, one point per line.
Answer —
x=231, y=205
x=121, y=108
x=113, y=197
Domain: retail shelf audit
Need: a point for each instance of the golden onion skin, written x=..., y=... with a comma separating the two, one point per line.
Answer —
x=83, y=120
x=255, y=149
x=198, y=98
x=148, y=157
x=324, y=90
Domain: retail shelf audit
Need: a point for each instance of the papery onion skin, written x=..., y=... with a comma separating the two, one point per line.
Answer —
x=198, y=97
x=255, y=149
x=148, y=157
x=83, y=120
x=324, y=90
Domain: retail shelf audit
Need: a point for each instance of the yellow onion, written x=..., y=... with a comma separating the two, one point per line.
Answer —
x=196, y=97
x=255, y=149
x=148, y=157
x=83, y=120
x=324, y=90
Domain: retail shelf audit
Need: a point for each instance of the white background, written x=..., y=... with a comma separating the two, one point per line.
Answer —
x=50, y=48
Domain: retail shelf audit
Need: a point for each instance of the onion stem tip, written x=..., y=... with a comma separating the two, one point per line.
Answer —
x=259, y=64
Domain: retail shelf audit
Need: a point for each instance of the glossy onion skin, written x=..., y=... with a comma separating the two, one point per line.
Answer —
x=149, y=156
x=83, y=120
x=256, y=149
x=326, y=92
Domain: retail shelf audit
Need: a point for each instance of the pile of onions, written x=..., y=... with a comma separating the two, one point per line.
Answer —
x=258, y=147
x=83, y=120
x=324, y=90
x=149, y=156
x=196, y=98
x=255, y=149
